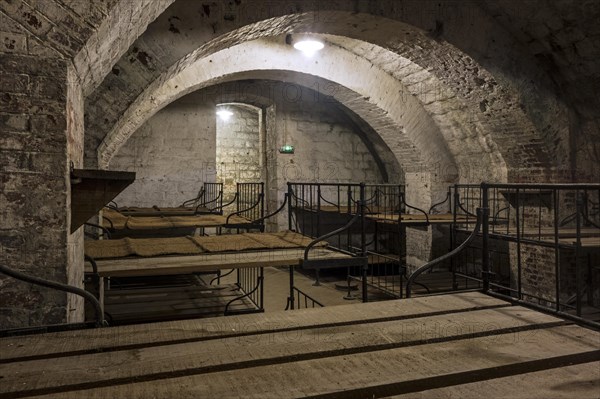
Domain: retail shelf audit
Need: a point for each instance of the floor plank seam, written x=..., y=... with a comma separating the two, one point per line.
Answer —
x=273, y=361
x=249, y=333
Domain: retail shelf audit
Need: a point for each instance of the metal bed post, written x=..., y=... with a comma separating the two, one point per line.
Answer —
x=349, y=210
x=401, y=248
x=485, y=260
x=262, y=205
x=363, y=242
x=317, y=283
x=291, y=267
x=518, y=222
x=579, y=210
x=556, y=249
x=290, y=191
x=453, y=209
x=262, y=288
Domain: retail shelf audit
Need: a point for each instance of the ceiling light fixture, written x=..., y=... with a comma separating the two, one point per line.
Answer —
x=224, y=114
x=309, y=47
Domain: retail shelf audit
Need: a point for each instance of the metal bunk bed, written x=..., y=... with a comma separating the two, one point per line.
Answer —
x=539, y=244
x=178, y=256
x=319, y=208
x=248, y=204
x=208, y=200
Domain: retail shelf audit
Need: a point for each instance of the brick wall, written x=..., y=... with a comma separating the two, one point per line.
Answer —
x=184, y=142
x=239, y=149
x=172, y=155
x=41, y=122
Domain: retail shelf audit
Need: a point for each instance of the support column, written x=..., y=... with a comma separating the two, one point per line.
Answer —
x=41, y=124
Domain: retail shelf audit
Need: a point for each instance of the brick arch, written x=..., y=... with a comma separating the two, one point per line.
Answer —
x=491, y=104
x=284, y=64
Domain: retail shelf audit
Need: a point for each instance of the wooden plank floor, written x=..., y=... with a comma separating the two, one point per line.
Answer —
x=384, y=349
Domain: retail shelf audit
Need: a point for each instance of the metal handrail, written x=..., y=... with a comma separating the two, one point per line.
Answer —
x=258, y=201
x=58, y=286
x=258, y=283
x=403, y=197
x=355, y=218
x=262, y=219
x=193, y=200
x=448, y=195
x=442, y=258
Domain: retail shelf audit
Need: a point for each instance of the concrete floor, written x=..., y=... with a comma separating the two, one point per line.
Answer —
x=277, y=282
x=277, y=287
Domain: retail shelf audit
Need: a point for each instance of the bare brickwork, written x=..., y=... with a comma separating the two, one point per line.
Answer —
x=442, y=91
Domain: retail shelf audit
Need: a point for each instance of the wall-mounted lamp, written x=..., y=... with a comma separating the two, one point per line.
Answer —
x=224, y=114
x=307, y=44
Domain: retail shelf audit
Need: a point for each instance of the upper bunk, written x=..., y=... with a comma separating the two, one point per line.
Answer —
x=244, y=211
x=380, y=203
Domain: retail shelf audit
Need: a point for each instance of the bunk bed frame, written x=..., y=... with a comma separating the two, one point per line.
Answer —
x=379, y=235
x=558, y=224
x=208, y=200
x=248, y=205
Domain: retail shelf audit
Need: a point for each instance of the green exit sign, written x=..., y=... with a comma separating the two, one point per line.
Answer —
x=287, y=149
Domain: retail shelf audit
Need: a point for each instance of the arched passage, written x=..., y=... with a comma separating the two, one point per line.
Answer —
x=500, y=116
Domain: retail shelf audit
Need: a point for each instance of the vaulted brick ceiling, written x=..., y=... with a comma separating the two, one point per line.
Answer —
x=560, y=36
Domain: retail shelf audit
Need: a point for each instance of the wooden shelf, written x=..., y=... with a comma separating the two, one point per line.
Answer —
x=92, y=189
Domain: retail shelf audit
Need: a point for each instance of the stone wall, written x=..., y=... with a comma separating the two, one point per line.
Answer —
x=172, y=155
x=184, y=142
x=327, y=146
x=239, y=149
x=41, y=125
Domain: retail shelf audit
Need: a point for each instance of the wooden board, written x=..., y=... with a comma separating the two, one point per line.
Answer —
x=167, y=265
x=93, y=189
x=91, y=341
x=355, y=360
x=165, y=211
x=563, y=232
x=586, y=242
x=420, y=219
x=580, y=381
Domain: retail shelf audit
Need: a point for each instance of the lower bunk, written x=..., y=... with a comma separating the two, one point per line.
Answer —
x=150, y=279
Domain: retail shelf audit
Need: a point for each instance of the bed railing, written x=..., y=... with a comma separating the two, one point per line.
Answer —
x=212, y=198
x=250, y=282
x=302, y=301
x=193, y=201
x=333, y=213
x=482, y=214
x=539, y=245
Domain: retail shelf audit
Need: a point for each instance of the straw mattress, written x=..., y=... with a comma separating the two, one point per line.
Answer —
x=121, y=222
x=148, y=247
